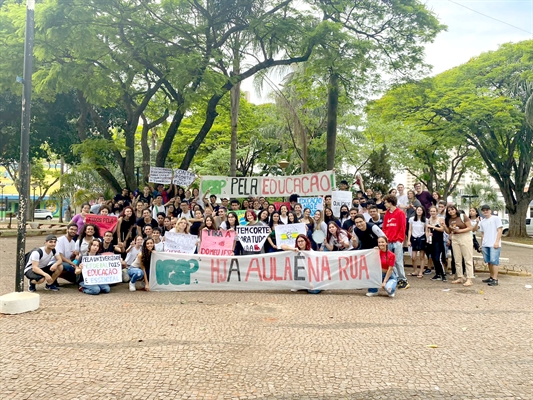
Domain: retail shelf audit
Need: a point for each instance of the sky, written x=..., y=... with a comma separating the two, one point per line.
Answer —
x=469, y=33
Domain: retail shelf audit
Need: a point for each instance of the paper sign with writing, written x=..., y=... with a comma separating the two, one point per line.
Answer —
x=183, y=178
x=103, y=222
x=338, y=199
x=180, y=242
x=101, y=269
x=160, y=175
x=240, y=215
x=286, y=234
x=315, y=184
x=252, y=237
x=284, y=270
x=217, y=243
x=313, y=203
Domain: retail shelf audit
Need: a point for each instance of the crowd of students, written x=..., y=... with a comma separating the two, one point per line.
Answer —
x=416, y=220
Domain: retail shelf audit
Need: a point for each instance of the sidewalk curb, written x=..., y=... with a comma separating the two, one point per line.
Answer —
x=527, y=246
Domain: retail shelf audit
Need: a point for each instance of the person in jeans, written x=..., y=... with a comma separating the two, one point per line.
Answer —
x=95, y=248
x=491, y=240
x=44, y=264
x=388, y=276
x=394, y=228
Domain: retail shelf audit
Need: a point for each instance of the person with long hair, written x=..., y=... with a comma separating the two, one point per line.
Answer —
x=283, y=214
x=273, y=223
x=337, y=239
x=302, y=243
x=125, y=227
x=264, y=217
x=231, y=224
x=459, y=227
x=88, y=233
x=329, y=217
x=95, y=248
x=388, y=276
x=475, y=219
x=435, y=236
x=292, y=218
x=417, y=240
x=140, y=269
x=182, y=226
x=79, y=219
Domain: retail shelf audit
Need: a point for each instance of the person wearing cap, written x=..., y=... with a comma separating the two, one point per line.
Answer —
x=44, y=265
x=491, y=241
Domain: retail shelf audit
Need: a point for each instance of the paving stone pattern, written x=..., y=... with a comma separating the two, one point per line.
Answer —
x=426, y=343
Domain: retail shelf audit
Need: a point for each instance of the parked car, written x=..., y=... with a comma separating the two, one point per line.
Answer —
x=505, y=227
x=529, y=226
x=42, y=214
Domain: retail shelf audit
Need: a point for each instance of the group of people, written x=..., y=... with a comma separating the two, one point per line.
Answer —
x=416, y=219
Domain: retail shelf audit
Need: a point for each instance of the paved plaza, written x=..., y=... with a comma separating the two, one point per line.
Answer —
x=433, y=341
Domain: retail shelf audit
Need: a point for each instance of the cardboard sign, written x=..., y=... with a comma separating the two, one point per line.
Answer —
x=183, y=178
x=101, y=269
x=160, y=175
x=285, y=270
x=103, y=222
x=338, y=199
x=180, y=243
x=313, y=203
x=286, y=234
x=217, y=243
x=252, y=237
x=315, y=184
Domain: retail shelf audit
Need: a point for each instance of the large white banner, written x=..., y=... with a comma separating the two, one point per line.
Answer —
x=316, y=184
x=338, y=199
x=286, y=234
x=180, y=242
x=272, y=271
x=101, y=269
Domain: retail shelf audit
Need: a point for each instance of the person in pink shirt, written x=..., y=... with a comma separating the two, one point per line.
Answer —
x=394, y=228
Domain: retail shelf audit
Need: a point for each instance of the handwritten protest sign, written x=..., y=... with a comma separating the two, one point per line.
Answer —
x=314, y=184
x=278, y=205
x=183, y=178
x=286, y=234
x=101, y=269
x=240, y=216
x=284, y=270
x=252, y=237
x=103, y=222
x=180, y=242
x=338, y=199
x=313, y=203
x=160, y=175
x=217, y=243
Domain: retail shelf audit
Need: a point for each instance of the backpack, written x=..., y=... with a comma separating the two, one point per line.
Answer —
x=38, y=250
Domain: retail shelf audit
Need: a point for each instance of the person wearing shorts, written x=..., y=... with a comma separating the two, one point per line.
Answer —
x=44, y=265
x=491, y=240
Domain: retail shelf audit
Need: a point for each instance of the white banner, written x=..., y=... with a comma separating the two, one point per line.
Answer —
x=180, y=242
x=316, y=184
x=100, y=270
x=183, y=178
x=313, y=203
x=284, y=270
x=338, y=199
x=160, y=175
x=286, y=234
x=252, y=237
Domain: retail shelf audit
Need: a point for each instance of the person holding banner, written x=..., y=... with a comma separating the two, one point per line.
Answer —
x=140, y=268
x=231, y=224
x=337, y=239
x=94, y=249
x=388, y=259
x=125, y=227
x=274, y=222
x=302, y=243
x=251, y=219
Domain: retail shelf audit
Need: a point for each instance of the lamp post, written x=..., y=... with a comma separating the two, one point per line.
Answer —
x=469, y=197
x=3, y=211
x=34, y=186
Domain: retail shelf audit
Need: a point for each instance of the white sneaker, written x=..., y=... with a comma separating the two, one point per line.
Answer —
x=132, y=287
x=371, y=294
x=391, y=294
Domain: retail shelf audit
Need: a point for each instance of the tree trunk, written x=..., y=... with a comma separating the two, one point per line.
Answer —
x=517, y=219
x=333, y=106
x=235, y=95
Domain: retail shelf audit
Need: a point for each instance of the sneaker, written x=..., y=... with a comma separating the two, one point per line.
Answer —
x=132, y=287
x=401, y=284
x=80, y=289
x=444, y=278
x=391, y=294
x=371, y=294
x=31, y=287
x=405, y=285
x=51, y=287
x=436, y=278
x=488, y=280
x=427, y=271
x=494, y=282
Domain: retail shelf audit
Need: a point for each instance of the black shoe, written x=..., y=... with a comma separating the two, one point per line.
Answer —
x=436, y=278
x=401, y=284
x=427, y=271
x=444, y=278
x=32, y=288
x=488, y=280
x=494, y=282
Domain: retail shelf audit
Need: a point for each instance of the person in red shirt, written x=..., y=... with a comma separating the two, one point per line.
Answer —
x=387, y=259
x=394, y=228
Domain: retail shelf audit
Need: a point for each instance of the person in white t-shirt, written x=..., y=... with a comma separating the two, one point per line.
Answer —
x=66, y=248
x=401, y=197
x=44, y=264
x=491, y=240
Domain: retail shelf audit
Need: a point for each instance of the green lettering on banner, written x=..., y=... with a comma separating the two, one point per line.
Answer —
x=175, y=272
x=214, y=186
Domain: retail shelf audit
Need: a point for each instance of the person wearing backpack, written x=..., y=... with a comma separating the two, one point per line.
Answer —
x=44, y=264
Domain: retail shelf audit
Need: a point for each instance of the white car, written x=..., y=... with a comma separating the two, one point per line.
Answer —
x=505, y=227
x=42, y=214
x=529, y=226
